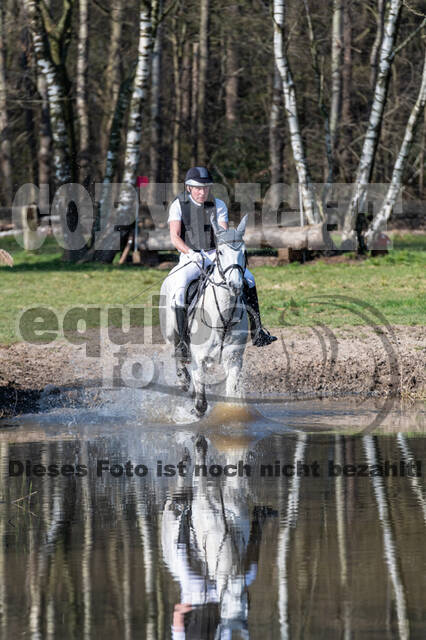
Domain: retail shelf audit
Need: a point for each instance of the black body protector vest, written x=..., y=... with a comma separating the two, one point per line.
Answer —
x=196, y=229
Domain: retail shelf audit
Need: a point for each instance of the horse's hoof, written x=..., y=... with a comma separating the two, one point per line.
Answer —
x=200, y=410
x=201, y=444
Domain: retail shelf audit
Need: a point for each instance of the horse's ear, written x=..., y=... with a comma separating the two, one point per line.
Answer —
x=216, y=228
x=242, y=226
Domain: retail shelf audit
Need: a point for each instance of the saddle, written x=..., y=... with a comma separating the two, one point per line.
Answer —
x=194, y=289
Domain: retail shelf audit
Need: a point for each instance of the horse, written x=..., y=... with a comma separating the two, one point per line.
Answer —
x=217, y=322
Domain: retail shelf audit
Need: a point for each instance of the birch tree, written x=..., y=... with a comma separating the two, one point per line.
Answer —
x=400, y=164
x=5, y=148
x=112, y=74
x=103, y=251
x=371, y=139
x=81, y=88
x=336, y=70
x=374, y=56
x=51, y=40
x=156, y=73
x=281, y=60
x=50, y=62
x=139, y=91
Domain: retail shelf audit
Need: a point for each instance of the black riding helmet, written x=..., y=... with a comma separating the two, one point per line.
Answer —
x=198, y=177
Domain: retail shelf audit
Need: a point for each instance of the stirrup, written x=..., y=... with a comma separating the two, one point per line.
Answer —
x=262, y=338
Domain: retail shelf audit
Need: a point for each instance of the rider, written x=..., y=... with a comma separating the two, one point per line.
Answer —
x=191, y=232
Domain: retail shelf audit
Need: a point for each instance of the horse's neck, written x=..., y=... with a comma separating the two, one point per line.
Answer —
x=223, y=293
x=219, y=301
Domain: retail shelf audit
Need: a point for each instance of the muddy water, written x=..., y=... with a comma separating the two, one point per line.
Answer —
x=270, y=520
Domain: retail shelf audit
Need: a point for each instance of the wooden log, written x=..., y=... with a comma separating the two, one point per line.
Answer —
x=312, y=237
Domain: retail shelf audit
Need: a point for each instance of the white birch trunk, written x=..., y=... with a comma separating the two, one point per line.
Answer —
x=368, y=153
x=396, y=181
x=154, y=157
x=390, y=548
x=5, y=147
x=57, y=98
x=103, y=249
x=121, y=106
x=336, y=69
x=377, y=42
x=134, y=129
x=112, y=156
x=112, y=74
x=287, y=523
x=281, y=61
x=81, y=87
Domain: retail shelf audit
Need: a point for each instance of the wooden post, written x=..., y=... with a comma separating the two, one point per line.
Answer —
x=29, y=221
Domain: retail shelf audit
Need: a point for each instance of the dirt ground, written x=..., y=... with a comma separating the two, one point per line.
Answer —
x=315, y=361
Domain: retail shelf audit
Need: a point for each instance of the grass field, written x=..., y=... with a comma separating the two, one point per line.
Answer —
x=333, y=294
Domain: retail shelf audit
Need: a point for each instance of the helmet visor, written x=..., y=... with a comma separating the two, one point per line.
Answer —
x=198, y=183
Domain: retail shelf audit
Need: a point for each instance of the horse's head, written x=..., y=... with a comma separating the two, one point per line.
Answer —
x=231, y=254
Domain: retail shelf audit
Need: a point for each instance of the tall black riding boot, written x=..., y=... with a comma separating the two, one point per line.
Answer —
x=259, y=335
x=182, y=352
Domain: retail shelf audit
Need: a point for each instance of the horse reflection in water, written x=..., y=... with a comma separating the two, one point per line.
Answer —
x=211, y=545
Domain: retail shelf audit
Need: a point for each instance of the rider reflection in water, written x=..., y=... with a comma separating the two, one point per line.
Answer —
x=210, y=539
x=191, y=232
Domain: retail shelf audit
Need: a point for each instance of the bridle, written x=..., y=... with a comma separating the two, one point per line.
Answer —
x=238, y=267
x=205, y=279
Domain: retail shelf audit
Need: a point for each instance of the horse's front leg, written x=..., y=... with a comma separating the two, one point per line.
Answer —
x=200, y=405
x=233, y=369
x=184, y=379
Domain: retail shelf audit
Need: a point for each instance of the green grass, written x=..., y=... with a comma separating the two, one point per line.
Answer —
x=297, y=295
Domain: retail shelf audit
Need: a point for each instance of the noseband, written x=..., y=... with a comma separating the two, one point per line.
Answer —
x=222, y=271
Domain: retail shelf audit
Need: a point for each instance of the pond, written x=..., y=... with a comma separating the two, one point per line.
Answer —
x=273, y=519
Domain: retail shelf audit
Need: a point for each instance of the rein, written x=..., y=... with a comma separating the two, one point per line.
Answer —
x=201, y=292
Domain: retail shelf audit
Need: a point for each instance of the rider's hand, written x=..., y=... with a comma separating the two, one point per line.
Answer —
x=195, y=257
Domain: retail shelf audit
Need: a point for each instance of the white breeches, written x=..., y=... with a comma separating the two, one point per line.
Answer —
x=180, y=276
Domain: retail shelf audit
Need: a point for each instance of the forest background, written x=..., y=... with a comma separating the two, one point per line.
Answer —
x=264, y=92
